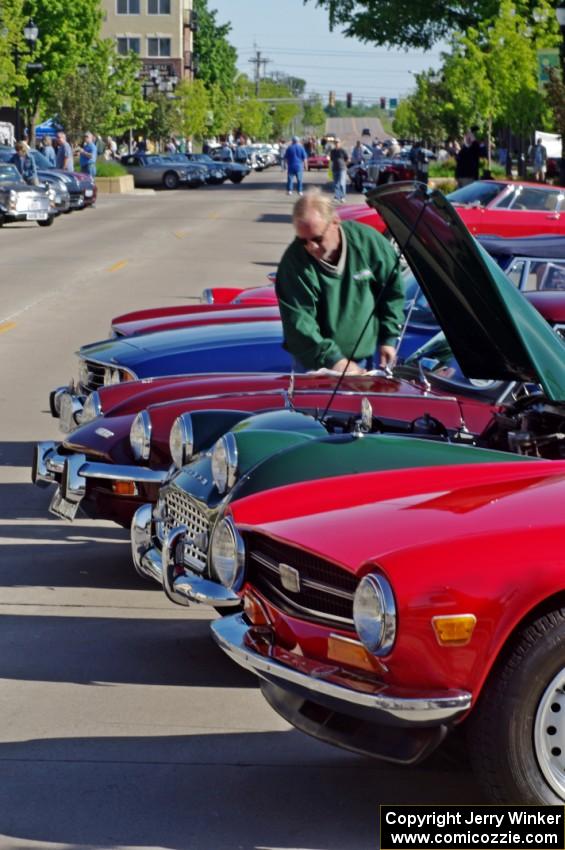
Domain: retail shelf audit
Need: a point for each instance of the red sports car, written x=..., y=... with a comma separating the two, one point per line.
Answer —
x=318, y=162
x=384, y=609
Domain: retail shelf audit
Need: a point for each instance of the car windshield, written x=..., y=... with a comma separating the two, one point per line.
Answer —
x=479, y=193
x=435, y=359
x=9, y=174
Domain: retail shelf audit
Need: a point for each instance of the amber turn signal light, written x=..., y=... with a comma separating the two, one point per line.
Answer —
x=255, y=611
x=454, y=629
x=124, y=488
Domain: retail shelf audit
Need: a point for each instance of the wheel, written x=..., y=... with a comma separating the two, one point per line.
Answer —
x=517, y=730
x=170, y=180
x=236, y=178
x=47, y=223
x=2, y=221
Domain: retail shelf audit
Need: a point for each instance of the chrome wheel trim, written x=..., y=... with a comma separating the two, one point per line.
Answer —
x=549, y=734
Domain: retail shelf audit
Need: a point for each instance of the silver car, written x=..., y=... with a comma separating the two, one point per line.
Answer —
x=154, y=170
x=21, y=202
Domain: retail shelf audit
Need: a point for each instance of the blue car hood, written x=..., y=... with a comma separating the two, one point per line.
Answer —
x=231, y=347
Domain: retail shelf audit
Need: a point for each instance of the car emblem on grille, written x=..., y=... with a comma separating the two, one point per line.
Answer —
x=290, y=578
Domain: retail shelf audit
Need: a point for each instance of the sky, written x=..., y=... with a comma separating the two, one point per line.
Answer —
x=297, y=40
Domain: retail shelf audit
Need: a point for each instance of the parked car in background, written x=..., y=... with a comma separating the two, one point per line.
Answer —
x=45, y=173
x=21, y=202
x=318, y=162
x=163, y=171
x=383, y=610
x=233, y=171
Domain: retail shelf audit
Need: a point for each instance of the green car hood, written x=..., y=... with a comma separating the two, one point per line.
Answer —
x=493, y=331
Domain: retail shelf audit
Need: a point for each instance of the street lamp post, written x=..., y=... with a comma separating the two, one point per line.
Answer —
x=560, y=14
x=31, y=34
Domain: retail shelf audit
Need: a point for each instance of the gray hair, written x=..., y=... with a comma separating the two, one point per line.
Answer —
x=313, y=201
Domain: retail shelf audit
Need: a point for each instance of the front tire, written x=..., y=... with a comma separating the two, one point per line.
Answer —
x=236, y=178
x=47, y=223
x=517, y=730
x=170, y=180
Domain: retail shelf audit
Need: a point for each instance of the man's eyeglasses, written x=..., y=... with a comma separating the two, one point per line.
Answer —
x=316, y=240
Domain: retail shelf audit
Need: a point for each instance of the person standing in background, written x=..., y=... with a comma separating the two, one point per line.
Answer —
x=87, y=156
x=295, y=157
x=64, y=155
x=49, y=151
x=339, y=160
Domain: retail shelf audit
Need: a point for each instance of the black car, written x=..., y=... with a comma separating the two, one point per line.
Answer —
x=233, y=171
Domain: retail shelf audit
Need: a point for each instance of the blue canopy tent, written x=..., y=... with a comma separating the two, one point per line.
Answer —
x=48, y=128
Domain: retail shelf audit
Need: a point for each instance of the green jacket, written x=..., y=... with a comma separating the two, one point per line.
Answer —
x=323, y=314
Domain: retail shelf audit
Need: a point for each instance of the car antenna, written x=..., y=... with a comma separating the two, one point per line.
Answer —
x=380, y=295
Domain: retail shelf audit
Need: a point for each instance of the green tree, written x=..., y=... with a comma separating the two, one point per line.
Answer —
x=217, y=58
x=313, y=114
x=12, y=22
x=222, y=112
x=413, y=23
x=103, y=95
x=193, y=105
x=164, y=119
x=67, y=31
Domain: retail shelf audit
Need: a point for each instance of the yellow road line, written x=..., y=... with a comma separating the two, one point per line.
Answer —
x=6, y=326
x=117, y=266
x=180, y=234
x=214, y=215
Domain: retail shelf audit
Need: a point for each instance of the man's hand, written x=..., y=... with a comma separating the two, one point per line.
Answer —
x=387, y=356
x=352, y=369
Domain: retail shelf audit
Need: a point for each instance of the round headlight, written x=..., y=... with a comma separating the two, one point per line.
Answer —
x=140, y=436
x=374, y=614
x=92, y=408
x=111, y=376
x=181, y=440
x=224, y=462
x=227, y=554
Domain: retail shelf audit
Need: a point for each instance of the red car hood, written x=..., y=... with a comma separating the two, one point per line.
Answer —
x=197, y=315
x=431, y=506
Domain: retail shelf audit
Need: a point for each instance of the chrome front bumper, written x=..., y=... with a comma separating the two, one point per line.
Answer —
x=385, y=705
x=163, y=566
x=71, y=472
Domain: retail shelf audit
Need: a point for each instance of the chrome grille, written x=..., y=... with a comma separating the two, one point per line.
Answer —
x=96, y=376
x=180, y=509
x=326, y=590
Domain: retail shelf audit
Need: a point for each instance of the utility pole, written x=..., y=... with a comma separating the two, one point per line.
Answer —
x=258, y=61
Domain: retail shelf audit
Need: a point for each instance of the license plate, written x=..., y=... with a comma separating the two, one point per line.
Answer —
x=88, y=193
x=61, y=507
x=36, y=216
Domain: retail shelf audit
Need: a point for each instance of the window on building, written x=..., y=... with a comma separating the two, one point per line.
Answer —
x=159, y=7
x=128, y=7
x=127, y=43
x=158, y=46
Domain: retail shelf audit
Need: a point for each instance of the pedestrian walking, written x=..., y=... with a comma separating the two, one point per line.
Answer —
x=331, y=291
x=64, y=154
x=357, y=154
x=339, y=160
x=282, y=152
x=88, y=155
x=295, y=157
x=539, y=157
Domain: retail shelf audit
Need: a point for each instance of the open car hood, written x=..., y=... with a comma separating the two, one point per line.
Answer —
x=492, y=330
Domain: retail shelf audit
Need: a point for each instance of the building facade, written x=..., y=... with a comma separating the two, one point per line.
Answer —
x=161, y=32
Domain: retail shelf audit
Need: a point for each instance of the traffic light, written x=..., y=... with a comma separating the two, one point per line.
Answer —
x=331, y=99
x=348, y=99
x=383, y=102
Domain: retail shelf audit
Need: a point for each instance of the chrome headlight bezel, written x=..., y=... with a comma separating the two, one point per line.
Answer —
x=181, y=440
x=224, y=463
x=84, y=374
x=374, y=614
x=92, y=408
x=140, y=436
x=228, y=567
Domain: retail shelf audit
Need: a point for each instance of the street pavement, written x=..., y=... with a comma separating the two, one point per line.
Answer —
x=121, y=723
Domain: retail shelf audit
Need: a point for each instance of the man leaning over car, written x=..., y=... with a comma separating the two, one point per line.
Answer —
x=330, y=281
